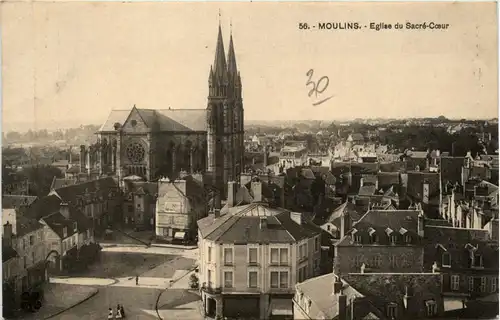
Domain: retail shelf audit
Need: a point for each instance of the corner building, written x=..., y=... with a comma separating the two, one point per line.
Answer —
x=163, y=142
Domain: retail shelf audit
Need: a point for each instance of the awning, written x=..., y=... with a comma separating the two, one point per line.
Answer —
x=281, y=307
x=179, y=235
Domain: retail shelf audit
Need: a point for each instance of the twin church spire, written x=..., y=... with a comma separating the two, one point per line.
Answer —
x=224, y=73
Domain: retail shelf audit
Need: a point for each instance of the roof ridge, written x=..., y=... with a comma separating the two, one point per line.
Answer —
x=277, y=218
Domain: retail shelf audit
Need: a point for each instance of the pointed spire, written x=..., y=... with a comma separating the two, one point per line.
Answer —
x=231, y=58
x=211, y=76
x=220, y=67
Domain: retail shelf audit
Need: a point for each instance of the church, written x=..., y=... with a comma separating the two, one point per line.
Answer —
x=155, y=143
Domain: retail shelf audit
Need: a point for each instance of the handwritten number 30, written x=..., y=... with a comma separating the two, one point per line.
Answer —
x=317, y=87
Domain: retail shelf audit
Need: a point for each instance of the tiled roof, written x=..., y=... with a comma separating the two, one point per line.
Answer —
x=383, y=223
x=60, y=183
x=8, y=253
x=71, y=193
x=451, y=169
x=384, y=288
x=163, y=119
x=416, y=181
x=454, y=240
x=57, y=222
x=367, y=190
x=60, y=163
x=74, y=169
x=115, y=116
x=182, y=119
x=242, y=224
x=16, y=201
x=324, y=172
x=43, y=207
x=347, y=207
x=26, y=225
x=387, y=179
x=319, y=290
x=389, y=167
x=308, y=173
x=357, y=137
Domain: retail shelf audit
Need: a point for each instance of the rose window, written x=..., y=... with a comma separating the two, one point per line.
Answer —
x=135, y=152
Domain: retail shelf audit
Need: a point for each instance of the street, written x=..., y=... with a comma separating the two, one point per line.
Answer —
x=114, y=277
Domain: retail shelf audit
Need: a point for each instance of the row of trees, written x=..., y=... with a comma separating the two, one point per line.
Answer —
x=36, y=180
x=45, y=135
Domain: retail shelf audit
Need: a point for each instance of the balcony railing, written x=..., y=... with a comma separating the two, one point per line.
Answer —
x=210, y=288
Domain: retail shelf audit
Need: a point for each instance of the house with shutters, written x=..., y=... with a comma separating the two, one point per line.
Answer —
x=465, y=258
x=180, y=204
x=68, y=233
x=252, y=253
x=380, y=241
x=24, y=250
x=369, y=296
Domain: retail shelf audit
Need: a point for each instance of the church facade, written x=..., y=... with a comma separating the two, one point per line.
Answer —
x=161, y=143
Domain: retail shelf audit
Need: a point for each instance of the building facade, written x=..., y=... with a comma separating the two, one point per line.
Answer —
x=381, y=241
x=179, y=205
x=23, y=241
x=252, y=255
x=155, y=143
x=375, y=296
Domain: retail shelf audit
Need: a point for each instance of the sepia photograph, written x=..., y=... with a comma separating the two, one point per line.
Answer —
x=249, y=160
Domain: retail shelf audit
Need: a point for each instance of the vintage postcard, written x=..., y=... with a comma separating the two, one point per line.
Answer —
x=249, y=160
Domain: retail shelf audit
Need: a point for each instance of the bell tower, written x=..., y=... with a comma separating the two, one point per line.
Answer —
x=224, y=118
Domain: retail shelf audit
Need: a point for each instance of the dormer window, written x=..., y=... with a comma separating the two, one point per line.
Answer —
x=392, y=310
x=478, y=261
x=373, y=235
x=408, y=239
x=431, y=307
x=355, y=236
x=446, y=259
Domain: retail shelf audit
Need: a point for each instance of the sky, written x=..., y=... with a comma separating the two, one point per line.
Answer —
x=71, y=63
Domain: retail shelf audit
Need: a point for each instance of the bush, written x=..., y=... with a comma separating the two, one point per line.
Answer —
x=194, y=282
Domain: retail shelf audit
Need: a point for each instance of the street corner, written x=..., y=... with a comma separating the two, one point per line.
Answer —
x=61, y=297
x=180, y=304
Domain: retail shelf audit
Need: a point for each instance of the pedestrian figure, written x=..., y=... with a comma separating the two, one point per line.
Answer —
x=118, y=312
x=137, y=280
x=110, y=314
x=122, y=311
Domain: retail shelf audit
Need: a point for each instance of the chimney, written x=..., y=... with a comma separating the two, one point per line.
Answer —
x=264, y=164
x=345, y=223
x=217, y=202
x=64, y=209
x=425, y=192
x=244, y=179
x=7, y=233
x=296, y=217
x=231, y=194
x=217, y=213
x=257, y=191
x=82, y=158
x=342, y=300
x=337, y=285
x=493, y=229
x=87, y=162
x=421, y=224
x=263, y=223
